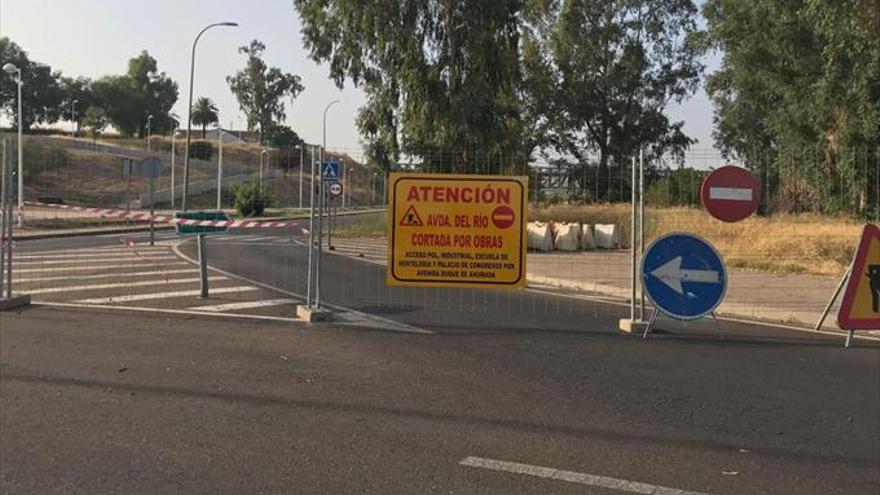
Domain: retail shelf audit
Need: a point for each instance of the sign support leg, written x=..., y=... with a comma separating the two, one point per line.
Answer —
x=203, y=265
x=650, y=324
x=849, y=339
x=321, y=208
x=833, y=298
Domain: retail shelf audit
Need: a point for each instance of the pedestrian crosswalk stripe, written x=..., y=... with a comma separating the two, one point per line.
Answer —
x=244, y=305
x=94, y=260
x=103, y=275
x=85, y=268
x=127, y=254
x=77, y=288
x=163, y=295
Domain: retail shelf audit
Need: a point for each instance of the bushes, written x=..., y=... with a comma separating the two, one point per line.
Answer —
x=201, y=150
x=249, y=202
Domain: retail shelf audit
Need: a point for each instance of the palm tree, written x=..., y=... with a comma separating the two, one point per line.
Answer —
x=204, y=113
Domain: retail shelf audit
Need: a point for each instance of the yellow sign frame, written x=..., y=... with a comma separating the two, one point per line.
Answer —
x=474, y=238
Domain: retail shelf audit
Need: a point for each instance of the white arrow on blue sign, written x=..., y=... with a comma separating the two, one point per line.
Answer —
x=683, y=276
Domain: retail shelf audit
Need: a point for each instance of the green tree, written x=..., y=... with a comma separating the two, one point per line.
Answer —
x=260, y=89
x=142, y=91
x=441, y=77
x=96, y=121
x=204, y=113
x=799, y=95
x=599, y=75
x=40, y=92
x=75, y=89
x=280, y=136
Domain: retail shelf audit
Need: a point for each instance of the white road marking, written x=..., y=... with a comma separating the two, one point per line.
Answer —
x=102, y=266
x=731, y=193
x=244, y=305
x=574, y=477
x=94, y=260
x=354, y=317
x=128, y=254
x=123, y=285
x=169, y=311
x=104, y=275
x=94, y=251
x=162, y=295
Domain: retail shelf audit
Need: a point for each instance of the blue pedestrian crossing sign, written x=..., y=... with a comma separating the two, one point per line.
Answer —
x=683, y=276
x=330, y=171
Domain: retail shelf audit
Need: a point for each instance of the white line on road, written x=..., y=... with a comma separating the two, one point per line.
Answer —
x=97, y=250
x=85, y=268
x=104, y=275
x=76, y=288
x=244, y=305
x=127, y=254
x=94, y=260
x=168, y=311
x=162, y=295
x=573, y=477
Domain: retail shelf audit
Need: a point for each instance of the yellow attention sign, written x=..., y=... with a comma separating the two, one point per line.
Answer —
x=457, y=231
x=860, y=309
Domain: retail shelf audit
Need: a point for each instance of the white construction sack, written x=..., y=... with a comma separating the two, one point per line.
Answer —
x=607, y=236
x=587, y=241
x=540, y=236
x=567, y=237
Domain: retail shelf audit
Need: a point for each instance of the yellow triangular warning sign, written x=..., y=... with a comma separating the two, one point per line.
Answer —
x=411, y=218
x=860, y=309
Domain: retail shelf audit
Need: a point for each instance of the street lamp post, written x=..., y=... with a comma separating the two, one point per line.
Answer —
x=321, y=202
x=192, y=70
x=262, y=154
x=302, y=151
x=73, y=115
x=10, y=69
x=149, y=132
x=219, y=166
x=173, y=159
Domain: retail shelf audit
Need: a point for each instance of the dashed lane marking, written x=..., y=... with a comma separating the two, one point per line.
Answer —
x=244, y=305
x=103, y=275
x=163, y=295
x=77, y=288
x=574, y=477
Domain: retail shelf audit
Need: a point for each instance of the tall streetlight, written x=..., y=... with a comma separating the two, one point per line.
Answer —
x=192, y=70
x=11, y=69
x=174, y=118
x=73, y=115
x=302, y=151
x=262, y=154
x=219, y=165
x=149, y=132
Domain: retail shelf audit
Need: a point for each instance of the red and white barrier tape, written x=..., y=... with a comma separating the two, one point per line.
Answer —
x=141, y=216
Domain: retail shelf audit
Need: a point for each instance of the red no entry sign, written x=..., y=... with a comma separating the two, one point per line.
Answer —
x=730, y=193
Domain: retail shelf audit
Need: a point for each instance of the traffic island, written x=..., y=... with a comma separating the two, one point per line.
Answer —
x=312, y=315
x=16, y=301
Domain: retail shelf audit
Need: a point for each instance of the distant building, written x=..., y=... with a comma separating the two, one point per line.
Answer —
x=229, y=135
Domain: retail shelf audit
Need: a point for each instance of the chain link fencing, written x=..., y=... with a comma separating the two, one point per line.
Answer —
x=784, y=262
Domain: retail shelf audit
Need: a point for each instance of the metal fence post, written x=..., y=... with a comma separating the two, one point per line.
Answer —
x=642, y=226
x=309, y=282
x=632, y=246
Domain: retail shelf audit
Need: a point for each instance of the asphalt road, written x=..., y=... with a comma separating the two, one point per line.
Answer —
x=109, y=402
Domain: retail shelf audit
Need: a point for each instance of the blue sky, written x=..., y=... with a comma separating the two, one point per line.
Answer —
x=96, y=37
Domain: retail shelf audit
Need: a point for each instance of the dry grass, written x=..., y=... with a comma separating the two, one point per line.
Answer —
x=783, y=243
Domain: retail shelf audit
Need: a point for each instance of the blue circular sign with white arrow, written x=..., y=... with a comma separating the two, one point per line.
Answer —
x=683, y=276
